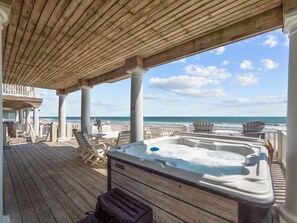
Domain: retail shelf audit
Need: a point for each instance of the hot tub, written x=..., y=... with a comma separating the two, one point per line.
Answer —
x=192, y=179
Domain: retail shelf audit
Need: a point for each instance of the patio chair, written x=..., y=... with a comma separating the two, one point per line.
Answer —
x=124, y=137
x=89, y=150
x=203, y=126
x=254, y=129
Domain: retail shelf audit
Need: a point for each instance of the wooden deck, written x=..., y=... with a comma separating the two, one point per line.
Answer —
x=46, y=182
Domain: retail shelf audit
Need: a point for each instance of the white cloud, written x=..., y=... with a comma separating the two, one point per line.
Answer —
x=186, y=85
x=209, y=71
x=271, y=41
x=184, y=60
x=269, y=64
x=245, y=80
x=219, y=50
x=246, y=64
x=225, y=62
x=267, y=100
x=180, y=82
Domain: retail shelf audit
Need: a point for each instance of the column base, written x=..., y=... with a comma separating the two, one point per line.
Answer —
x=285, y=216
x=62, y=139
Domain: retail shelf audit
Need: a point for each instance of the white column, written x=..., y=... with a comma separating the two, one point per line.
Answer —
x=21, y=116
x=62, y=118
x=17, y=117
x=85, y=107
x=36, y=121
x=28, y=119
x=3, y=20
x=288, y=211
x=136, y=109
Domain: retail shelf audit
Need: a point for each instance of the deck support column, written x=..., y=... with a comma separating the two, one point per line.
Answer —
x=28, y=119
x=21, y=116
x=36, y=121
x=4, y=11
x=62, y=117
x=134, y=66
x=85, y=107
x=288, y=211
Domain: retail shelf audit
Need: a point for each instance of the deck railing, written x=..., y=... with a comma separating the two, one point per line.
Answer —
x=276, y=137
x=20, y=91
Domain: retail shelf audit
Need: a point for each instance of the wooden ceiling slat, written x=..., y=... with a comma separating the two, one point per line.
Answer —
x=231, y=18
x=68, y=40
x=40, y=31
x=118, y=15
x=4, y=39
x=33, y=47
x=170, y=6
x=40, y=43
x=227, y=19
x=139, y=47
x=115, y=10
x=237, y=31
x=35, y=16
x=148, y=49
x=22, y=25
x=142, y=39
x=13, y=23
x=71, y=23
x=96, y=46
x=28, y=31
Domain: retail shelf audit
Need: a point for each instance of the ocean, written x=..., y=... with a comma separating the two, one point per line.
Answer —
x=220, y=122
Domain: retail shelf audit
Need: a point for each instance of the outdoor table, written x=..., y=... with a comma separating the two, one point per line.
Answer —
x=108, y=137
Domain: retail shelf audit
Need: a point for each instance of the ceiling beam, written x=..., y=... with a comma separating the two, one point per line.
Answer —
x=112, y=76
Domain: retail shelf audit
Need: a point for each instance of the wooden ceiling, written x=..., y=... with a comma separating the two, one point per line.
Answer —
x=54, y=43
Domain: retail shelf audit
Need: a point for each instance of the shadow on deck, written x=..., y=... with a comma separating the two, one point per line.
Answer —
x=46, y=182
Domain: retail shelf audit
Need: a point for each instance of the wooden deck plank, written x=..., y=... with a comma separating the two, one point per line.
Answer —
x=68, y=185
x=86, y=189
x=89, y=184
x=26, y=208
x=42, y=210
x=49, y=196
x=10, y=200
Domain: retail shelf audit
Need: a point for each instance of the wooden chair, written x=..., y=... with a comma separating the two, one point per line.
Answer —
x=203, y=126
x=89, y=151
x=254, y=129
x=124, y=137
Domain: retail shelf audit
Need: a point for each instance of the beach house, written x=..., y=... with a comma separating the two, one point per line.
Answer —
x=74, y=45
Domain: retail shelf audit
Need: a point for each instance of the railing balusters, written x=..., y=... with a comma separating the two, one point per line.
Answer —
x=17, y=90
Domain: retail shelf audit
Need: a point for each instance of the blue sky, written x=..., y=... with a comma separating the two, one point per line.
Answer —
x=246, y=78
